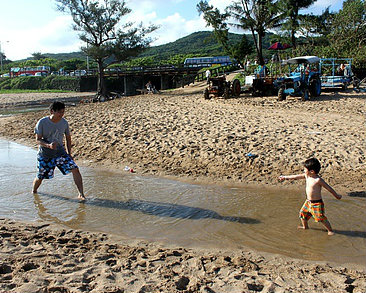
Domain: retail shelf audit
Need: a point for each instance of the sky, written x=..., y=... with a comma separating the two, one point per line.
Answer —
x=35, y=26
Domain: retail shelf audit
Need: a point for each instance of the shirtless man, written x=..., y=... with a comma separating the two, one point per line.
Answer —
x=314, y=205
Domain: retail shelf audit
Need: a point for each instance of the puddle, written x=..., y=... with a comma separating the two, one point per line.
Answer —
x=177, y=213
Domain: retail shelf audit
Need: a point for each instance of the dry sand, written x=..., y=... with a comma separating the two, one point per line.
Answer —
x=178, y=133
x=45, y=258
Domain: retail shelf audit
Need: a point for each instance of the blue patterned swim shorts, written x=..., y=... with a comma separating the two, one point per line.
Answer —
x=46, y=167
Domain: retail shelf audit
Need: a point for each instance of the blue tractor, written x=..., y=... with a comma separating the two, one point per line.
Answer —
x=302, y=82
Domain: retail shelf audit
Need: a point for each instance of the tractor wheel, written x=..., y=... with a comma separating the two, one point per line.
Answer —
x=99, y=98
x=226, y=94
x=281, y=94
x=361, y=86
x=315, y=87
x=305, y=95
x=236, y=89
x=206, y=94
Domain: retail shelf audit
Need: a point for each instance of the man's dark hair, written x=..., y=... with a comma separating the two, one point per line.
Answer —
x=57, y=106
x=312, y=164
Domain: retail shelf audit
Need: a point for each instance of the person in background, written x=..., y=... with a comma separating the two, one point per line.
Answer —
x=149, y=87
x=208, y=75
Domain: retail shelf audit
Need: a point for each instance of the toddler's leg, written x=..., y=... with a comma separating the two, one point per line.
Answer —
x=304, y=224
x=328, y=227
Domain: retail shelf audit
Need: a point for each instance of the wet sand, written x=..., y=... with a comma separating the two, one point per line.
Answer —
x=179, y=134
x=20, y=100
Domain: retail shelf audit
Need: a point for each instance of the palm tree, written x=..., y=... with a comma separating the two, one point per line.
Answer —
x=291, y=9
x=258, y=16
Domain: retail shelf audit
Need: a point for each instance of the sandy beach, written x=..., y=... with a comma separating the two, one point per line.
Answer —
x=180, y=135
x=40, y=257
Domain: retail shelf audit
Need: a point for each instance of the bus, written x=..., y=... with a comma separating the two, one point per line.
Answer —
x=30, y=71
x=207, y=61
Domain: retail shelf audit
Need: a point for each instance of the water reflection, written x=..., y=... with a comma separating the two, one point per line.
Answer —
x=148, y=207
x=45, y=214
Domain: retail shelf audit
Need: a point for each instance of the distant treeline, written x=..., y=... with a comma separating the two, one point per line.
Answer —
x=195, y=45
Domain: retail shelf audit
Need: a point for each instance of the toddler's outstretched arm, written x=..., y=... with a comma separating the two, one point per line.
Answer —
x=291, y=177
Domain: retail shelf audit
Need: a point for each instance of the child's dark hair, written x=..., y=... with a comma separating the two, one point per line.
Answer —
x=57, y=106
x=312, y=164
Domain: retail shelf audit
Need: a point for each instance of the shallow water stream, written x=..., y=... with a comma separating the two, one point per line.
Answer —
x=177, y=213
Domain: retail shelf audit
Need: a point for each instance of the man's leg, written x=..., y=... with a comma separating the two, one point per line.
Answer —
x=79, y=182
x=45, y=169
x=36, y=183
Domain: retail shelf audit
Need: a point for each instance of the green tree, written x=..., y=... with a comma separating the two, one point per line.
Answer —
x=258, y=16
x=3, y=61
x=38, y=56
x=291, y=10
x=242, y=50
x=140, y=62
x=349, y=26
x=73, y=64
x=219, y=22
x=99, y=23
x=178, y=59
x=316, y=28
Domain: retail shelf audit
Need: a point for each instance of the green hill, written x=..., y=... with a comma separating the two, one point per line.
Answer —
x=201, y=43
x=198, y=43
x=66, y=56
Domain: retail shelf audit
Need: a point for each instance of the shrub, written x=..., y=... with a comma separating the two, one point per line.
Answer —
x=25, y=83
x=5, y=83
x=67, y=83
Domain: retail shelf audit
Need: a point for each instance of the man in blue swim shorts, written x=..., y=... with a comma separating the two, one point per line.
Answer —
x=50, y=131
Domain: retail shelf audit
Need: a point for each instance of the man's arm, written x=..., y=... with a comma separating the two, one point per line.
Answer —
x=41, y=142
x=68, y=144
x=291, y=177
x=330, y=189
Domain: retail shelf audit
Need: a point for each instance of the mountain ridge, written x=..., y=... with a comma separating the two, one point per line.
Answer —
x=202, y=43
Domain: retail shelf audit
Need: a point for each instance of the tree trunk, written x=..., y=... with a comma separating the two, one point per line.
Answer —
x=293, y=39
x=101, y=88
x=260, y=49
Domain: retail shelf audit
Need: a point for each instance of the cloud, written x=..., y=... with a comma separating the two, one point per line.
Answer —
x=320, y=5
x=55, y=36
x=65, y=36
x=220, y=4
x=175, y=26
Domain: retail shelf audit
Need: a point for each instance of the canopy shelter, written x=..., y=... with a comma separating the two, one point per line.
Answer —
x=278, y=46
x=303, y=59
